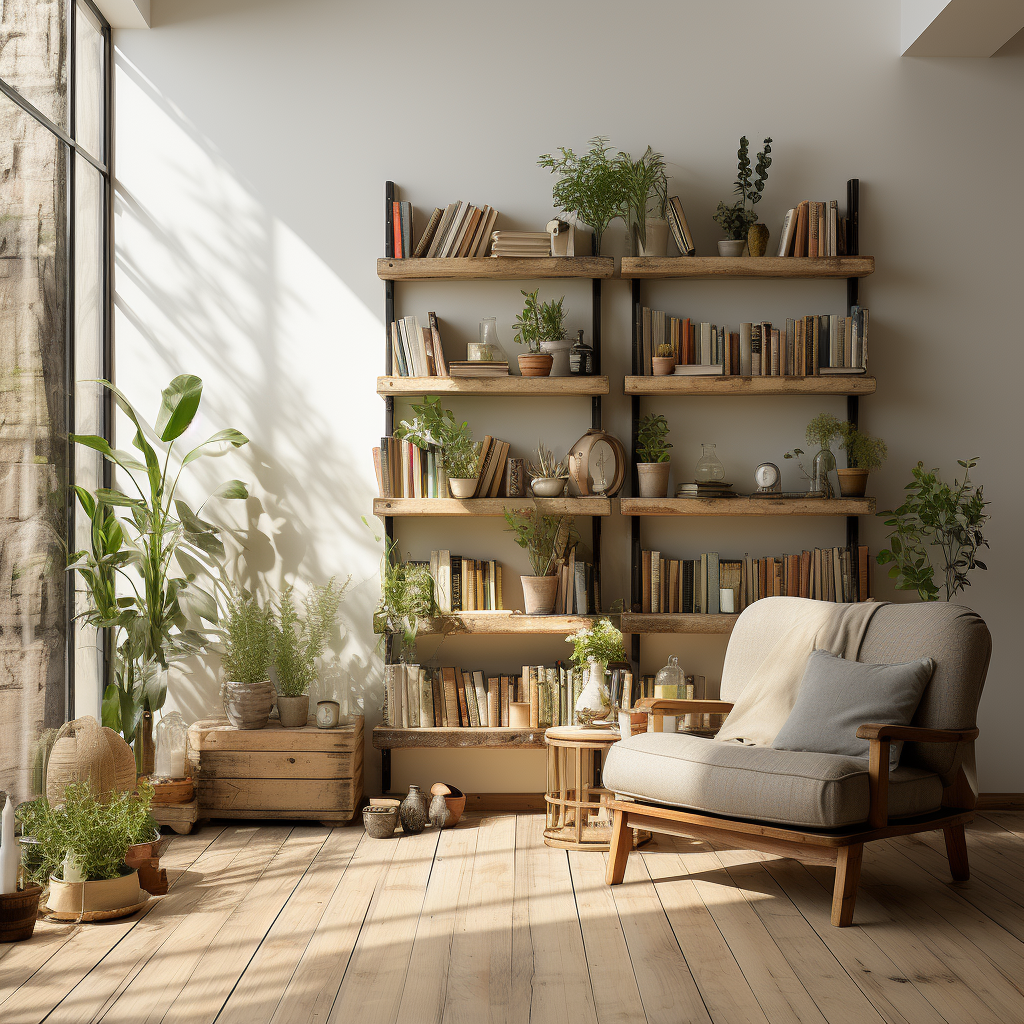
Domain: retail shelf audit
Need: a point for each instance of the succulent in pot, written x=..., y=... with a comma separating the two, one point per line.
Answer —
x=653, y=460
x=539, y=322
x=250, y=640
x=664, y=361
x=549, y=473
x=547, y=540
x=736, y=220
x=863, y=454
x=434, y=426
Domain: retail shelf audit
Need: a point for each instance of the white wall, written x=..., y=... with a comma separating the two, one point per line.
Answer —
x=253, y=140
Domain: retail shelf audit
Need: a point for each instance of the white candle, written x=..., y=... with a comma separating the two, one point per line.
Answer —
x=727, y=601
x=10, y=852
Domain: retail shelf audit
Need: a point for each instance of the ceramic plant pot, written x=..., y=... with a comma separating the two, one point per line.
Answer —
x=462, y=487
x=248, y=705
x=757, y=239
x=454, y=799
x=559, y=352
x=535, y=364
x=853, y=482
x=732, y=246
x=547, y=487
x=539, y=594
x=380, y=822
x=663, y=365
x=657, y=238
x=653, y=477
x=413, y=812
x=99, y=900
x=18, y=914
x=294, y=711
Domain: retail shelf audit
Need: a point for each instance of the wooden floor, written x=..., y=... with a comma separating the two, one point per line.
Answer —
x=485, y=924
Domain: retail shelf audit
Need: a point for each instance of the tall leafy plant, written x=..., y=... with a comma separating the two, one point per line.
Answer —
x=434, y=425
x=546, y=539
x=651, y=443
x=301, y=639
x=736, y=219
x=644, y=182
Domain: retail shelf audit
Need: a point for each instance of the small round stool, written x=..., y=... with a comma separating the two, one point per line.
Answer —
x=575, y=818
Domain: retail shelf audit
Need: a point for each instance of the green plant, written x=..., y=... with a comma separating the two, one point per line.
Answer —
x=823, y=430
x=651, y=445
x=601, y=642
x=643, y=180
x=434, y=425
x=547, y=539
x=539, y=321
x=936, y=515
x=158, y=621
x=250, y=636
x=664, y=351
x=406, y=594
x=548, y=466
x=862, y=450
x=735, y=220
x=302, y=639
x=590, y=186
x=96, y=834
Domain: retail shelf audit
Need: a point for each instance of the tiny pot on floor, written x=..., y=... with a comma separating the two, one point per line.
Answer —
x=663, y=365
x=732, y=246
x=462, y=486
x=104, y=899
x=535, y=364
x=454, y=799
x=547, y=487
x=653, y=478
x=248, y=705
x=414, y=812
x=539, y=594
x=853, y=482
x=559, y=352
x=294, y=711
x=757, y=239
x=380, y=822
x=18, y=911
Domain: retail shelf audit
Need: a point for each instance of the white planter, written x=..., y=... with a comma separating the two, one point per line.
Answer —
x=547, y=487
x=594, y=701
x=462, y=487
x=732, y=246
x=559, y=352
x=657, y=238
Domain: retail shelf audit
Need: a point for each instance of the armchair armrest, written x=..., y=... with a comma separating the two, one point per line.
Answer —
x=673, y=706
x=913, y=734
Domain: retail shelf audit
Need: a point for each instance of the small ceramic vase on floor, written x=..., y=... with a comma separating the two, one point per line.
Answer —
x=414, y=812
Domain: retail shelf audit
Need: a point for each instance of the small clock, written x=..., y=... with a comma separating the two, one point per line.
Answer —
x=597, y=464
x=768, y=478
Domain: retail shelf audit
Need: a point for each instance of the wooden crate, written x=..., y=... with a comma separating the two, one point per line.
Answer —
x=276, y=772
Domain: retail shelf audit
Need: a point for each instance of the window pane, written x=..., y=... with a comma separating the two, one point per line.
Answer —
x=33, y=258
x=89, y=83
x=88, y=408
x=34, y=53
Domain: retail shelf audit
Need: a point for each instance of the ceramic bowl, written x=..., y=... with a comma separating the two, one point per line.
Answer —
x=380, y=822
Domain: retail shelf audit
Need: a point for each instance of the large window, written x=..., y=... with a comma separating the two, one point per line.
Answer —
x=55, y=196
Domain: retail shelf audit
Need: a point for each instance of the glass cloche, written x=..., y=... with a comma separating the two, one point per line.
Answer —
x=171, y=737
x=670, y=682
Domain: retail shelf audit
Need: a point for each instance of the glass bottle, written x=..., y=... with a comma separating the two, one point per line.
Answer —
x=488, y=349
x=581, y=358
x=670, y=684
x=171, y=735
x=708, y=469
x=822, y=466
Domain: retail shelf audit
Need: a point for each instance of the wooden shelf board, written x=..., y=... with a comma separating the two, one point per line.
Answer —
x=747, y=266
x=503, y=622
x=500, y=268
x=489, y=506
x=741, y=506
x=855, y=384
x=522, y=387
x=386, y=738
x=637, y=622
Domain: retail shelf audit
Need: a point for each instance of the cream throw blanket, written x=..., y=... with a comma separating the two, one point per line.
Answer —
x=769, y=696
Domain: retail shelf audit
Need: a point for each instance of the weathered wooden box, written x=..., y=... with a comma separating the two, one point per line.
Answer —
x=276, y=772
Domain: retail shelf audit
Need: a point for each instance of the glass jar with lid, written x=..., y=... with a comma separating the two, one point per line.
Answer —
x=670, y=684
x=709, y=468
x=171, y=736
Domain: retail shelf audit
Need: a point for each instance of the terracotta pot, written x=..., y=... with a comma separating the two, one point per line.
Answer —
x=380, y=822
x=732, y=246
x=853, y=482
x=547, y=487
x=663, y=365
x=653, y=477
x=139, y=853
x=18, y=912
x=294, y=711
x=462, y=487
x=535, y=364
x=248, y=705
x=67, y=900
x=454, y=799
x=757, y=239
x=539, y=594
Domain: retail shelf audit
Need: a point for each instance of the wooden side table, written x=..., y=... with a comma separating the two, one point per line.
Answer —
x=575, y=818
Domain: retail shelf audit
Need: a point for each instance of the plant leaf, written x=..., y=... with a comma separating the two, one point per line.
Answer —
x=232, y=489
x=179, y=405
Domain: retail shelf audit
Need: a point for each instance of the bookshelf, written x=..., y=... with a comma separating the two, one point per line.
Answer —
x=393, y=271
x=850, y=268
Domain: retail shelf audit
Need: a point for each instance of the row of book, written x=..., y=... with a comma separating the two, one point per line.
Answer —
x=464, y=584
x=813, y=229
x=458, y=230
x=416, y=351
x=579, y=587
x=404, y=470
x=694, y=586
x=808, y=346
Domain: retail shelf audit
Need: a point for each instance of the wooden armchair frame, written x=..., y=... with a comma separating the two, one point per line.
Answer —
x=842, y=848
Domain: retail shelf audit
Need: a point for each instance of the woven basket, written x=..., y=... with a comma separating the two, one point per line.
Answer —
x=81, y=753
x=124, y=762
x=248, y=705
x=18, y=914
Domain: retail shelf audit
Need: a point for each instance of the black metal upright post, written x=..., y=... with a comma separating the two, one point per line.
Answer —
x=595, y=415
x=636, y=555
x=389, y=426
x=852, y=298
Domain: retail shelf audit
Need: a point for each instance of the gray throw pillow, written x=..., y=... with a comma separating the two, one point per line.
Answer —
x=837, y=697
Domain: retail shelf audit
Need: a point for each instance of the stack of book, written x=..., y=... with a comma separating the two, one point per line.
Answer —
x=477, y=368
x=464, y=584
x=813, y=229
x=459, y=229
x=680, y=230
x=699, y=489
x=520, y=243
x=693, y=586
x=407, y=471
x=579, y=587
x=417, y=351
x=808, y=346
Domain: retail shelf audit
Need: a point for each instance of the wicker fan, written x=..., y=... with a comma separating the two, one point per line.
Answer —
x=81, y=753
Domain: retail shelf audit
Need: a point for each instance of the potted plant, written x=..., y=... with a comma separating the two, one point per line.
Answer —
x=548, y=474
x=539, y=322
x=821, y=432
x=406, y=595
x=79, y=849
x=863, y=454
x=646, y=202
x=250, y=636
x=653, y=463
x=547, y=540
x=595, y=648
x=459, y=453
x=664, y=360
x=590, y=186
x=736, y=220
x=300, y=641
x=935, y=515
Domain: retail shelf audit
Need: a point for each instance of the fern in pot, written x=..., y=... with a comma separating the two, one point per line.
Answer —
x=250, y=633
x=547, y=540
x=653, y=460
x=863, y=454
x=301, y=640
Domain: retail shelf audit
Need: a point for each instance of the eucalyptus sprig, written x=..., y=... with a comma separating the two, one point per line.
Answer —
x=735, y=219
x=601, y=642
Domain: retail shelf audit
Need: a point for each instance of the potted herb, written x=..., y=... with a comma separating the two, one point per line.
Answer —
x=547, y=540
x=589, y=187
x=433, y=425
x=653, y=463
x=664, y=360
x=595, y=647
x=863, y=454
x=250, y=638
x=646, y=202
x=935, y=515
x=406, y=595
x=300, y=641
x=736, y=220
x=537, y=324
x=548, y=474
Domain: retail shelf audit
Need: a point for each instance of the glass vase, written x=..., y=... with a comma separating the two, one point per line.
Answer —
x=823, y=465
x=487, y=349
x=708, y=469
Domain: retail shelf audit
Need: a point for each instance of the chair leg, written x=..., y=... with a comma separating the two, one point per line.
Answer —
x=956, y=851
x=622, y=843
x=844, y=896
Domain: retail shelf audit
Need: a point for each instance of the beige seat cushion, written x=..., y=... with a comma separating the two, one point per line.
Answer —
x=759, y=783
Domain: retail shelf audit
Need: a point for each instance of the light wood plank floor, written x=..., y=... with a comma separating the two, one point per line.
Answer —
x=285, y=924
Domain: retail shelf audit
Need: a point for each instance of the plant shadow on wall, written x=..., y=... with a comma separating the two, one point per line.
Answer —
x=208, y=282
